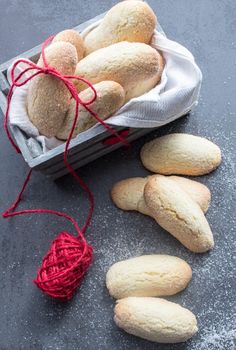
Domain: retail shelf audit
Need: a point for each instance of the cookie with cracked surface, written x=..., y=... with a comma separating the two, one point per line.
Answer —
x=180, y=154
x=148, y=276
x=132, y=21
x=137, y=67
x=48, y=98
x=155, y=319
x=177, y=213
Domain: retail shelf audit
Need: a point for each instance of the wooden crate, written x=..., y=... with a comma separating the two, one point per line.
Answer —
x=83, y=149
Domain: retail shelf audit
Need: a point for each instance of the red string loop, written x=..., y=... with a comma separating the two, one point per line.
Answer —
x=69, y=257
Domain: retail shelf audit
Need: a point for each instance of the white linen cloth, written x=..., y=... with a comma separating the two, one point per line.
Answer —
x=175, y=95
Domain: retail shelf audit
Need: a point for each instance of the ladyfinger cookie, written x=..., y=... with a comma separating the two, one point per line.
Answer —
x=177, y=213
x=148, y=276
x=181, y=154
x=73, y=37
x=155, y=319
x=137, y=67
x=132, y=21
x=48, y=98
x=110, y=97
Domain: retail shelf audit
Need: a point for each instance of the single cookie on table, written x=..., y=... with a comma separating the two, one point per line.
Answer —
x=137, y=67
x=181, y=154
x=110, y=97
x=128, y=194
x=148, y=275
x=155, y=319
x=48, y=98
x=73, y=37
x=175, y=211
x=132, y=21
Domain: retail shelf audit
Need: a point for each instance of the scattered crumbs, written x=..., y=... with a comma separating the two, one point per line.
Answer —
x=220, y=337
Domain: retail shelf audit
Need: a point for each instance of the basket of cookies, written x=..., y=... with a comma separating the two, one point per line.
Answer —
x=141, y=79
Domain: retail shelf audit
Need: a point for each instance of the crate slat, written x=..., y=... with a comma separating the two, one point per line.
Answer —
x=79, y=161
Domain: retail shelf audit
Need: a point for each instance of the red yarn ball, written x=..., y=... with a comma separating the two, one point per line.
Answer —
x=64, y=266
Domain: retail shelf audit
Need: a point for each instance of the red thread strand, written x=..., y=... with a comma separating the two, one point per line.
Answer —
x=69, y=257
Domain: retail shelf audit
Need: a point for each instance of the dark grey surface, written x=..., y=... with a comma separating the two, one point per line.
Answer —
x=30, y=320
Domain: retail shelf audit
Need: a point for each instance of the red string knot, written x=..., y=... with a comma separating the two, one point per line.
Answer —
x=47, y=70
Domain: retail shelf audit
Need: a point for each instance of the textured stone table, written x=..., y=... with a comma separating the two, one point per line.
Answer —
x=30, y=320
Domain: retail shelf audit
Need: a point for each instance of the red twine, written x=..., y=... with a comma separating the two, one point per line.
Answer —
x=69, y=257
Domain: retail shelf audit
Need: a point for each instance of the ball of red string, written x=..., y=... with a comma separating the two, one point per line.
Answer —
x=64, y=266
